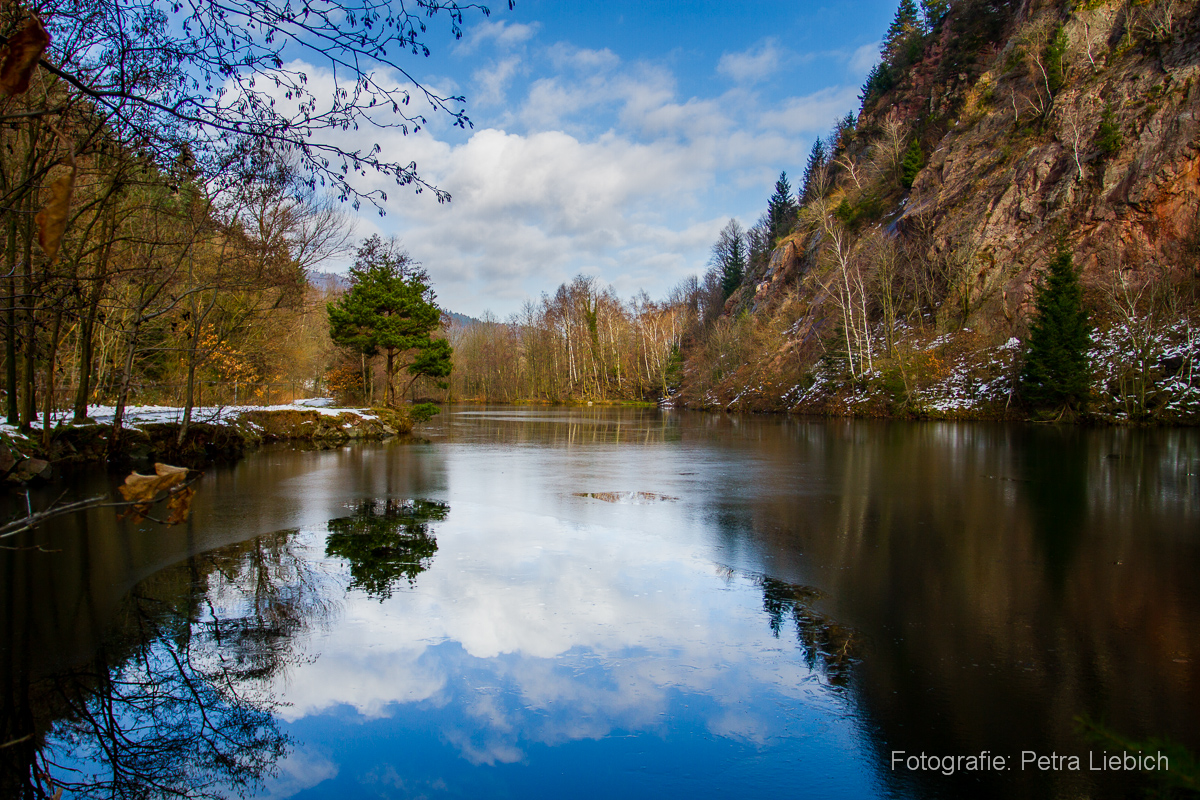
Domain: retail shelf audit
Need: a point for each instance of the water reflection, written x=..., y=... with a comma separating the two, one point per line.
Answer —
x=644, y=604
x=828, y=646
x=176, y=700
x=385, y=541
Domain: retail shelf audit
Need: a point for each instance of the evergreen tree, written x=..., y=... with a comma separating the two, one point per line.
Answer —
x=905, y=25
x=879, y=81
x=1056, y=375
x=814, y=173
x=1056, y=64
x=1108, y=135
x=390, y=307
x=758, y=243
x=729, y=257
x=911, y=164
x=843, y=134
x=781, y=210
x=934, y=11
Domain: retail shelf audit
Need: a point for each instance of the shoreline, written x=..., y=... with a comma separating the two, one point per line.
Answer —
x=215, y=435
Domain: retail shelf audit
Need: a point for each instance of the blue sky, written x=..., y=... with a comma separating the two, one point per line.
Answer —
x=615, y=139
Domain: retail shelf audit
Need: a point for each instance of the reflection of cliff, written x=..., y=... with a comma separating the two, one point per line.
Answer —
x=1005, y=581
x=385, y=542
x=173, y=700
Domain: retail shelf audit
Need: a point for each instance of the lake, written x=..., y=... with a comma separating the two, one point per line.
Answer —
x=602, y=602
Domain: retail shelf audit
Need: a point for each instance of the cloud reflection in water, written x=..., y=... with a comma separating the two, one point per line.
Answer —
x=530, y=630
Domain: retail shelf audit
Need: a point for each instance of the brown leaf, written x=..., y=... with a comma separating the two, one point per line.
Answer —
x=142, y=489
x=21, y=55
x=180, y=505
x=52, y=220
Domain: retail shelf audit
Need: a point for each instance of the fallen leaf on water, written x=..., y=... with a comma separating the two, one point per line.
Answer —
x=21, y=55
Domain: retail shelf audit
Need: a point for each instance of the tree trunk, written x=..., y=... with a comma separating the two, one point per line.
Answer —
x=10, y=328
x=114, y=438
x=51, y=356
x=390, y=396
x=29, y=377
x=187, y=404
x=87, y=329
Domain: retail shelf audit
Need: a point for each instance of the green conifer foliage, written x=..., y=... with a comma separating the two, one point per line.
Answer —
x=390, y=307
x=1056, y=63
x=911, y=164
x=813, y=178
x=729, y=257
x=905, y=25
x=934, y=12
x=1056, y=375
x=1108, y=136
x=781, y=209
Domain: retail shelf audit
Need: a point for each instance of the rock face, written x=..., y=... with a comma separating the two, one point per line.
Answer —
x=1053, y=125
x=1020, y=171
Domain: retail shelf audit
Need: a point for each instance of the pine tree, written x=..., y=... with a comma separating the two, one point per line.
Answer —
x=814, y=173
x=390, y=307
x=729, y=257
x=880, y=80
x=904, y=26
x=1056, y=376
x=781, y=210
x=911, y=164
x=934, y=11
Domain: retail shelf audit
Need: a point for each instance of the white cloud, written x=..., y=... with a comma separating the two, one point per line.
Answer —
x=566, y=56
x=301, y=769
x=597, y=166
x=815, y=113
x=502, y=33
x=491, y=83
x=864, y=58
x=754, y=64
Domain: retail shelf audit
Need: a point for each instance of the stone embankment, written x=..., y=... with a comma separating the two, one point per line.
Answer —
x=217, y=435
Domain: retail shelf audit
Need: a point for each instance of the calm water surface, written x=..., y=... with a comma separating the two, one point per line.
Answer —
x=593, y=603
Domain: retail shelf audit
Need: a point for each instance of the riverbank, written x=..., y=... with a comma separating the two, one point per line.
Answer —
x=221, y=434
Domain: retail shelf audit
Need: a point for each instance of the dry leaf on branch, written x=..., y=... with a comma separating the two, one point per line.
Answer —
x=142, y=489
x=21, y=56
x=180, y=505
x=52, y=220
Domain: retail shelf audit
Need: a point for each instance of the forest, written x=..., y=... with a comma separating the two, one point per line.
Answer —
x=168, y=191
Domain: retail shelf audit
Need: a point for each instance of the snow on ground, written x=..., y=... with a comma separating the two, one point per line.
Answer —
x=145, y=415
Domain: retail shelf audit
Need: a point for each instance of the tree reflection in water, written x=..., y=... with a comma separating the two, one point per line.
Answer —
x=175, y=702
x=385, y=541
x=827, y=646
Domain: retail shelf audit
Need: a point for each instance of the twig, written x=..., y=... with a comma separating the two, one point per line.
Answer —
x=35, y=519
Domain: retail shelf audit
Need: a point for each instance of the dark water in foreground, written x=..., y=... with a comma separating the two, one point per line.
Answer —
x=600, y=603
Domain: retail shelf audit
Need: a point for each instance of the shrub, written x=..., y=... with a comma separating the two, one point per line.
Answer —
x=1108, y=136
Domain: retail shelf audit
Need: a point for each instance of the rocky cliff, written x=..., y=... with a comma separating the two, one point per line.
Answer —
x=1008, y=131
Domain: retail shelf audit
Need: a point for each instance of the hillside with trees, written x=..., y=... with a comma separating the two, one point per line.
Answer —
x=906, y=274
x=161, y=207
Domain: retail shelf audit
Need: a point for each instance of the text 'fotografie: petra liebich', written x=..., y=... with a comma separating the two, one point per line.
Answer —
x=987, y=761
